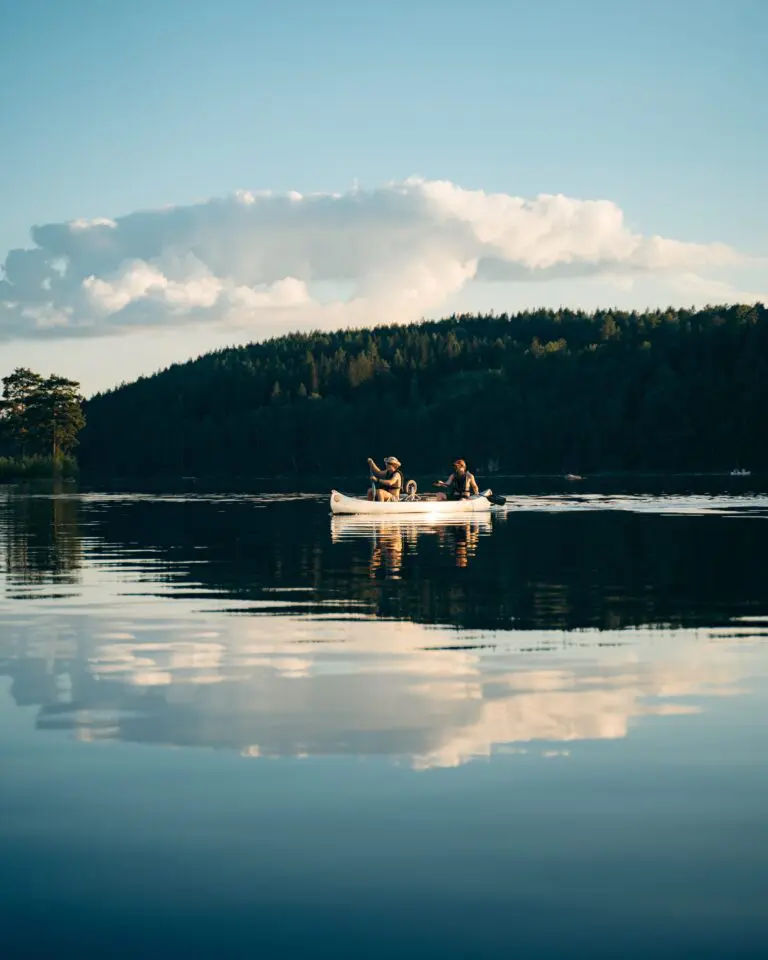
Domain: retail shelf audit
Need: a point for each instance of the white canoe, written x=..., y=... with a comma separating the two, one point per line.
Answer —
x=392, y=508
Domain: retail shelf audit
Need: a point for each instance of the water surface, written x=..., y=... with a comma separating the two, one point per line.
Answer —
x=231, y=725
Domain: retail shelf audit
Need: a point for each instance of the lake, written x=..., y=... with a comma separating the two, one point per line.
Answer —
x=232, y=726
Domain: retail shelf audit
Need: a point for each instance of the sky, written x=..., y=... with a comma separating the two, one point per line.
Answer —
x=177, y=176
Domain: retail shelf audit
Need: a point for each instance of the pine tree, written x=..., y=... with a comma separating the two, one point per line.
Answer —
x=54, y=416
x=18, y=388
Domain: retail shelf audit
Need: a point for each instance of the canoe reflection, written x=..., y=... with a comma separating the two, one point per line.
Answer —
x=392, y=540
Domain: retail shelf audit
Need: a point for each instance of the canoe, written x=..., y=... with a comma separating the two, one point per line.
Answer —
x=341, y=504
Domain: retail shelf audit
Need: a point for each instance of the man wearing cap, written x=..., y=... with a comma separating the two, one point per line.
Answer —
x=388, y=482
x=460, y=485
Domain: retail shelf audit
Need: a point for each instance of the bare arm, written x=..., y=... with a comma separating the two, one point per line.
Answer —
x=444, y=483
x=374, y=469
x=473, y=488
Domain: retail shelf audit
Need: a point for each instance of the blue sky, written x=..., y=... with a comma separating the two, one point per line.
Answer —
x=111, y=108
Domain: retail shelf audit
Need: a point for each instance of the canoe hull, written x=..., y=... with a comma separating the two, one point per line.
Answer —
x=360, y=506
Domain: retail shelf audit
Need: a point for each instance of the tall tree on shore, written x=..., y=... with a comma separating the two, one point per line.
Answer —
x=41, y=415
x=55, y=415
x=18, y=389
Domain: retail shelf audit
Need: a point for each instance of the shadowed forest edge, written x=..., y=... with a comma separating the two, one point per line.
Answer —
x=543, y=391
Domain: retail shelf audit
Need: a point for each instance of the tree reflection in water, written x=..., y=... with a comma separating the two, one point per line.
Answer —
x=436, y=642
x=41, y=541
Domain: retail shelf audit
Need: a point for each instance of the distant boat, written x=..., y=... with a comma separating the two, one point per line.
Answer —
x=741, y=473
x=573, y=476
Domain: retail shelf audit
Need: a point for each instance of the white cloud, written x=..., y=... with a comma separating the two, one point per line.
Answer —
x=139, y=280
x=255, y=260
x=89, y=224
x=715, y=291
x=46, y=317
x=287, y=292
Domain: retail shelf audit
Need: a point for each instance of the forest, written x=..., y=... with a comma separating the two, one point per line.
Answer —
x=542, y=391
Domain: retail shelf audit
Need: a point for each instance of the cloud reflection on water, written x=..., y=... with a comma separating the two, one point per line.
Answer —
x=360, y=687
x=200, y=644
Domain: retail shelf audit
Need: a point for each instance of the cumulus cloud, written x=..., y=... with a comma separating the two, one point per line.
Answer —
x=257, y=260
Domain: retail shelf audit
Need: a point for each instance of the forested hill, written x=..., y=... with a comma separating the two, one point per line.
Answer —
x=545, y=391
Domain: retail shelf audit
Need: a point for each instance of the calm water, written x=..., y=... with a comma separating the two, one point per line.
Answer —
x=232, y=727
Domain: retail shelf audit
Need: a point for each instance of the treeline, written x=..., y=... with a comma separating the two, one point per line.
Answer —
x=551, y=391
x=38, y=468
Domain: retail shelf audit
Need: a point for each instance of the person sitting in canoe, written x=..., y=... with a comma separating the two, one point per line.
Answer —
x=461, y=485
x=388, y=482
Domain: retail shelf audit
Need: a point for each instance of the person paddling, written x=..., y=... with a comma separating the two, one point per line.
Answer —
x=388, y=482
x=461, y=485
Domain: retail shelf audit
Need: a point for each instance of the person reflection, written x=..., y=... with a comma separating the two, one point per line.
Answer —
x=467, y=537
x=395, y=544
x=387, y=552
x=462, y=539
